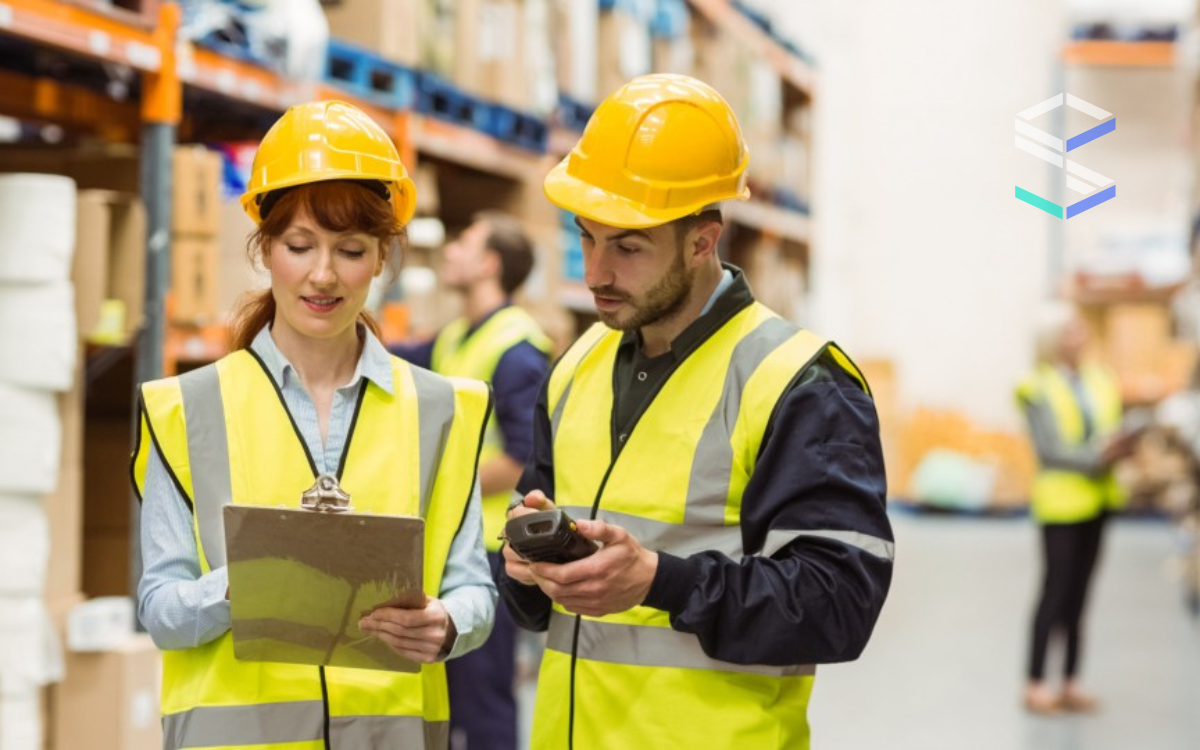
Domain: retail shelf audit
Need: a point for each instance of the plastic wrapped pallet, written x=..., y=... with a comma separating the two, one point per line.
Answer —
x=37, y=212
x=37, y=334
x=24, y=545
x=31, y=434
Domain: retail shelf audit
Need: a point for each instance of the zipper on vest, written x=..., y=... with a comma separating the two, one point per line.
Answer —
x=324, y=709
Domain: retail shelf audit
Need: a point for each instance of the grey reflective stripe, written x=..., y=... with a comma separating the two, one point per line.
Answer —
x=712, y=465
x=260, y=724
x=777, y=539
x=391, y=732
x=677, y=538
x=648, y=646
x=208, y=456
x=435, y=408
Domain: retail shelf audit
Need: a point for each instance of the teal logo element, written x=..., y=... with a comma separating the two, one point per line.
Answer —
x=1095, y=187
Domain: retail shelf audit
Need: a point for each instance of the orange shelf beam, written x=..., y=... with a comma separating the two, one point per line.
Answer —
x=1124, y=54
x=474, y=149
x=114, y=35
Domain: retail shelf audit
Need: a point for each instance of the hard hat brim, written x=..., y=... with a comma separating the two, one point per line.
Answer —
x=403, y=200
x=597, y=204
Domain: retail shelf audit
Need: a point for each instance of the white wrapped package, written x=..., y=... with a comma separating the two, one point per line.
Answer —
x=31, y=433
x=37, y=335
x=20, y=719
x=100, y=624
x=24, y=545
x=37, y=212
x=30, y=651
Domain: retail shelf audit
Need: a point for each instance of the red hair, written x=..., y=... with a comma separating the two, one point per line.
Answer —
x=336, y=206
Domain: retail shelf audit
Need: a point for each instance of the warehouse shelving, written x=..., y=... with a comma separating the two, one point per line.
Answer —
x=1114, y=53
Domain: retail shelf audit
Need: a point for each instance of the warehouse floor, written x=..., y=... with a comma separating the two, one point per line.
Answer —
x=944, y=671
x=945, y=667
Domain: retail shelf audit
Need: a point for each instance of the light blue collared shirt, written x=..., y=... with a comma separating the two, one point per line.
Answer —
x=183, y=609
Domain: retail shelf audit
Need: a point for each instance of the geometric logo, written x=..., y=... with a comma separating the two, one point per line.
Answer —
x=1096, y=187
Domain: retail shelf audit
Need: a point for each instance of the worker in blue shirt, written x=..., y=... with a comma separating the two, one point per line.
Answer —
x=499, y=343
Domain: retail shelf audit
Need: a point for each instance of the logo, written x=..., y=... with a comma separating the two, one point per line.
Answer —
x=1095, y=187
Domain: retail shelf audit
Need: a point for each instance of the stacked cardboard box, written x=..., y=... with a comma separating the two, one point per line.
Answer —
x=393, y=28
x=574, y=30
x=195, y=223
x=623, y=45
x=38, y=338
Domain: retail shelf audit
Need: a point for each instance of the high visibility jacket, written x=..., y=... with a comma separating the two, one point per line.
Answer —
x=225, y=435
x=629, y=680
x=476, y=356
x=1063, y=496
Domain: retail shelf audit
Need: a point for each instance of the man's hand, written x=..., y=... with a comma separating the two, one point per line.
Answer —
x=516, y=566
x=614, y=579
x=419, y=635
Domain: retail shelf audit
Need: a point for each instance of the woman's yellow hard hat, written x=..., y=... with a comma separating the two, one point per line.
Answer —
x=328, y=140
x=662, y=147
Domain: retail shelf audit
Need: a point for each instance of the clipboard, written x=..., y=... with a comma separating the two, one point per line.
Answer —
x=300, y=579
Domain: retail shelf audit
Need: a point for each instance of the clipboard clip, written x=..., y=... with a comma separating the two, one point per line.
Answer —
x=326, y=496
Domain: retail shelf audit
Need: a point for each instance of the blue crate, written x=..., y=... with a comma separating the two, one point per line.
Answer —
x=370, y=76
x=671, y=19
x=518, y=128
x=573, y=114
x=791, y=200
x=441, y=99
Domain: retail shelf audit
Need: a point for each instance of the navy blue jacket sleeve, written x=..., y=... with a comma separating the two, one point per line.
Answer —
x=419, y=353
x=516, y=382
x=530, y=607
x=815, y=600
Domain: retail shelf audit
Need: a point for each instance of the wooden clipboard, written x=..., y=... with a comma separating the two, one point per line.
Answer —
x=299, y=580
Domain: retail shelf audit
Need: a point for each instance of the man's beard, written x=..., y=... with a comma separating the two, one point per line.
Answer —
x=664, y=300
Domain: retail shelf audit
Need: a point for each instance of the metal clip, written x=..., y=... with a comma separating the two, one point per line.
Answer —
x=325, y=496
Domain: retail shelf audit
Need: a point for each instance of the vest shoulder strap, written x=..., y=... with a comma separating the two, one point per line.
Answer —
x=564, y=369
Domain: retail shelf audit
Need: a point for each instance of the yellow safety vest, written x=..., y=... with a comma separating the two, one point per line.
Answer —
x=225, y=436
x=1066, y=496
x=476, y=356
x=628, y=680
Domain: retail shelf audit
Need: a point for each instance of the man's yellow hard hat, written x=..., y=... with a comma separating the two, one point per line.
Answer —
x=328, y=140
x=662, y=147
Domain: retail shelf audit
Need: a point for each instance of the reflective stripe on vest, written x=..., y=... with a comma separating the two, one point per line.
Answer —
x=477, y=356
x=428, y=428
x=1061, y=496
x=676, y=484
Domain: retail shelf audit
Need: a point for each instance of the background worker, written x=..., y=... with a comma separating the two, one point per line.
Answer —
x=1074, y=412
x=499, y=343
x=309, y=390
x=730, y=462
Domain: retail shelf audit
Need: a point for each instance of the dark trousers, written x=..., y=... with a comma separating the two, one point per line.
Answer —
x=483, y=705
x=1070, y=553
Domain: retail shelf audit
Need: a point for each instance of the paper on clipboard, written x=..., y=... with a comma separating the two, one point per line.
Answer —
x=300, y=580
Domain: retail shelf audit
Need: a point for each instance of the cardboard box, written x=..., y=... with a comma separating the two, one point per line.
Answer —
x=236, y=274
x=37, y=335
x=31, y=434
x=110, y=701
x=127, y=258
x=196, y=191
x=64, y=506
x=195, y=269
x=37, y=212
x=108, y=167
x=89, y=270
x=489, y=59
x=574, y=31
x=437, y=19
x=672, y=55
x=393, y=28
x=622, y=48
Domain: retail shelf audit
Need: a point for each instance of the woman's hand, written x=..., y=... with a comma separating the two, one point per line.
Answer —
x=420, y=635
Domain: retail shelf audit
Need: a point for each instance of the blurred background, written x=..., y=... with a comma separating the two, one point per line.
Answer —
x=883, y=169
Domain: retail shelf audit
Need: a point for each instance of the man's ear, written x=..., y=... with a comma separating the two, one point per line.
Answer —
x=705, y=241
x=493, y=264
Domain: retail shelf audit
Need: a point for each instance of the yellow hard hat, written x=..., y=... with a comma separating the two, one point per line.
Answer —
x=662, y=147
x=327, y=140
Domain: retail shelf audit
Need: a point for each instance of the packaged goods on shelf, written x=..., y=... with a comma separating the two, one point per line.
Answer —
x=672, y=55
x=437, y=19
x=20, y=718
x=100, y=624
x=24, y=545
x=195, y=270
x=393, y=28
x=622, y=46
x=37, y=212
x=236, y=275
x=64, y=505
x=89, y=270
x=574, y=24
x=30, y=652
x=31, y=434
x=37, y=335
x=489, y=50
x=110, y=699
